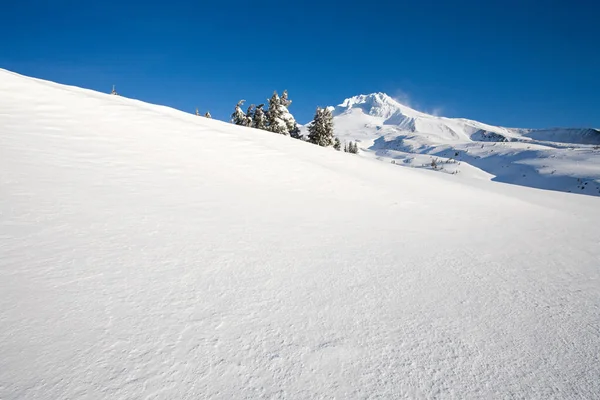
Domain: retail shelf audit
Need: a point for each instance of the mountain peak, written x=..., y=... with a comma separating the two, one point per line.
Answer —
x=377, y=104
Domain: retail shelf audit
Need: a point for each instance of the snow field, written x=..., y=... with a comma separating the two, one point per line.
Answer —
x=148, y=253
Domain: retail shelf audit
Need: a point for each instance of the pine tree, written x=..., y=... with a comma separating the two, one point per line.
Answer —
x=287, y=117
x=295, y=133
x=434, y=164
x=274, y=121
x=259, y=121
x=320, y=130
x=353, y=148
x=279, y=118
x=207, y=115
x=337, y=144
x=238, y=117
x=284, y=99
x=346, y=147
x=250, y=115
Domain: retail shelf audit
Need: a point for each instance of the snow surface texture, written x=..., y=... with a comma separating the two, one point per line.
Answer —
x=146, y=253
x=558, y=159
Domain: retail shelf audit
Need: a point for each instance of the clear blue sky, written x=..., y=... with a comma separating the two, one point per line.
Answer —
x=519, y=63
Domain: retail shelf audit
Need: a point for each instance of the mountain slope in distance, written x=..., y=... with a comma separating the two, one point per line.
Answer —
x=563, y=159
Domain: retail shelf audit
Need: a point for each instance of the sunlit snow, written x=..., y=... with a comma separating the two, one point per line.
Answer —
x=146, y=253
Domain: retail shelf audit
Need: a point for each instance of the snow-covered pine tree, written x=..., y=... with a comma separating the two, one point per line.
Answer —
x=295, y=133
x=434, y=163
x=259, y=121
x=337, y=144
x=345, y=147
x=284, y=99
x=197, y=112
x=353, y=147
x=288, y=118
x=314, y=128
x=207, y=115
x=238, y=117
x=328, y=117
x=320, y=130
x=274, y=121
x=250, y=115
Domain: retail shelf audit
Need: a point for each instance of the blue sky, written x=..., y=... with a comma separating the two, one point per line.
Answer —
x=513, y=63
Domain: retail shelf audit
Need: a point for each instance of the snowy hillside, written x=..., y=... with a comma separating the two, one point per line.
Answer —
x=557, y=159
x=146, y=253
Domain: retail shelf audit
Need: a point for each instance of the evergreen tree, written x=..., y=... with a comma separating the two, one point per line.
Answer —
x=295, y=133
x=353, y=148
x=284, y=99
x=274, y=121
x=346, y=147
x=320, y=130
x=279, y=118
x=207, y=115
x=259, y=121
x=337, y=144
x=287, y=117
x=238, y=117
x=250, y=115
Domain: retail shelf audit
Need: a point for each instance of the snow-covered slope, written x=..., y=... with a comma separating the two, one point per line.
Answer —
x=150, y=254
x=558, y=159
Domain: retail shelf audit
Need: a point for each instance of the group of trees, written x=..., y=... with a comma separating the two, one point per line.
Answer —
x=351, y=148
x=276, y=118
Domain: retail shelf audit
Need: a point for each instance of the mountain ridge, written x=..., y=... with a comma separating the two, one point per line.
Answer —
x=563, y=159
x=379, y=101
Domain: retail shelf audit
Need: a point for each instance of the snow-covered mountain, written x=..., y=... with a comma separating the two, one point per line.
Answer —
x=146, y=253
x=557, y=159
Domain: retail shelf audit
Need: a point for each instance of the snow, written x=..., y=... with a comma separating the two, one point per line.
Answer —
x=151, y=254
x=565, y=159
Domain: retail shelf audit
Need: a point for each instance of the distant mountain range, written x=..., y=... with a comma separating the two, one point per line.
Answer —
x=565, y=159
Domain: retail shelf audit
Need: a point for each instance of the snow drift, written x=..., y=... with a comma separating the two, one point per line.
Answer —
x=148, y=253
